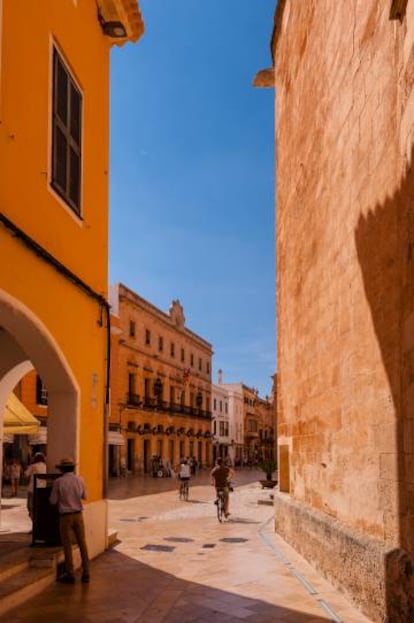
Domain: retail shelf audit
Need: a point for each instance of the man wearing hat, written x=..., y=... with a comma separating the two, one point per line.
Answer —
x=68, y=491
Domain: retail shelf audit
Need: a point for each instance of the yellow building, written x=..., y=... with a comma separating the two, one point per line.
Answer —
x=54, y=127
x=259, y=425
x=161, y=385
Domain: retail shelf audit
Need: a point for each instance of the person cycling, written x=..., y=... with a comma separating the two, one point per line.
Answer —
x=220, y=476
x=184, y=473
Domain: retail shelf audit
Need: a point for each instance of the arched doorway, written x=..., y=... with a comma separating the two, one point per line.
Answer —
x=26, y=343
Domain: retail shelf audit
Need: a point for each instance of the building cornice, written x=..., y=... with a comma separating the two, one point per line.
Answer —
x=126, y=294
x=265, y=78
x=128, y=13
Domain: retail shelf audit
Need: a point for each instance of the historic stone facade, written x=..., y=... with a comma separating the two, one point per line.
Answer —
x=161, y=385
x=221, y=439
x=344, y=75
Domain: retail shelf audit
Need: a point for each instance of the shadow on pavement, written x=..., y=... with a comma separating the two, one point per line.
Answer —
x=123, y=590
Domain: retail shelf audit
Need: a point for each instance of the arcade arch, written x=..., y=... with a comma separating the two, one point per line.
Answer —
x=26, y=343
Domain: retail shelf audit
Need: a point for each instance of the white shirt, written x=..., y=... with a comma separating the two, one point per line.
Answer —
x=185, y=470
x=36, y=468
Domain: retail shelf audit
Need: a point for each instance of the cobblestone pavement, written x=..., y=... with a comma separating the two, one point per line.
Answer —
x=175, y=563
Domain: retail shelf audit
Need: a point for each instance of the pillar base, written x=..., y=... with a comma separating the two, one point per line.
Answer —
x=96, y=527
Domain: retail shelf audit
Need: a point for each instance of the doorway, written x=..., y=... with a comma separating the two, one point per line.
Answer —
x=147, y=456
x=130, y=455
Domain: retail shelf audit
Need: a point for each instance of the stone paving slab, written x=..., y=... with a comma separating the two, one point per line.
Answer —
x=232, y=582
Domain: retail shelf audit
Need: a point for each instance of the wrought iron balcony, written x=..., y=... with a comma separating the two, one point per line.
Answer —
x=157, y=404
x=134, y=399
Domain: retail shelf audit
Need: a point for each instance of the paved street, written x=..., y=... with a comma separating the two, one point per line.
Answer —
x=174, y=563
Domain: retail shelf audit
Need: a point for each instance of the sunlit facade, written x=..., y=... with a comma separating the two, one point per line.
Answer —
x=161, y=386
x=54, y=134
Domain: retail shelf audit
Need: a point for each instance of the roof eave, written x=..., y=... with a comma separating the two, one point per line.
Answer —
x=128, y=13
x=265, y=78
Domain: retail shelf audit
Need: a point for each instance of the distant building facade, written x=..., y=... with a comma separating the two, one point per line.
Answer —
x=251, y=423
x=236, y=423
x=221, y=422
x=345, y=291
x=161, y=385
x=251, y=419
x=265, y=410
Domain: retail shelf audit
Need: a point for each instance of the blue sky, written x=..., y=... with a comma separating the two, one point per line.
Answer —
x=192, y=175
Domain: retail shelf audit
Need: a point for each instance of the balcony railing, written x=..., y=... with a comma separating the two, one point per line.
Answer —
x=157, y=404
x=134, y=399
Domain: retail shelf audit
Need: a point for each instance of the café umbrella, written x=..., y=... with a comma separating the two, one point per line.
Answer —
x=17, y=420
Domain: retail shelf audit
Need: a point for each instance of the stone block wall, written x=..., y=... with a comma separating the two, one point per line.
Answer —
x=345, y=276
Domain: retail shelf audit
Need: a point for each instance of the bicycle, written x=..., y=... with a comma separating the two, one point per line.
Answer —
x=220, y=505
x=184, y=490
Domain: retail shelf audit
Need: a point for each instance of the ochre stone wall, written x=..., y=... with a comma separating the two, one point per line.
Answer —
x=345, y=280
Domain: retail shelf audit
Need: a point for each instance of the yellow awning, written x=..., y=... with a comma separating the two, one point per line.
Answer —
x=18, y=419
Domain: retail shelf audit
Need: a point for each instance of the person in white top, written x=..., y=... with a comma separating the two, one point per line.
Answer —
x=38, y=466
x=185, y=470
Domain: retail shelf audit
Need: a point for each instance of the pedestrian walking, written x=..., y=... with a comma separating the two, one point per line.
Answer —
x=37, y=466
x=15, y=471
x=123, y=472
x=68, y=491
x=195, y=467
x=168, y=468
x=155, y=465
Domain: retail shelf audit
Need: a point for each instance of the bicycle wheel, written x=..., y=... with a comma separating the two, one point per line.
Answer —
x=220, y=507
x=181, y=491
x=186, y=488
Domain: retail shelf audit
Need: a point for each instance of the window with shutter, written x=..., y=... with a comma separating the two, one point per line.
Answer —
x=66, y=136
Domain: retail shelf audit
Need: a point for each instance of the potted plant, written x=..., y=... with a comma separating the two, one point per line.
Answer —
x=268, y=466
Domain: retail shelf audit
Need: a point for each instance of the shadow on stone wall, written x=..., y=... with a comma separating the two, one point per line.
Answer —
x=385, y=247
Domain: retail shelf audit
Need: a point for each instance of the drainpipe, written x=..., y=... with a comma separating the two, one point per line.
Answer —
x=107, y=406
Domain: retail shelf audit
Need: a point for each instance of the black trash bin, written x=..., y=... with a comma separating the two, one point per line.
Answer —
x=45, y=515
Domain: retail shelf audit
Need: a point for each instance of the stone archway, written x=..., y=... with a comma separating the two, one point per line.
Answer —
x=26, y=343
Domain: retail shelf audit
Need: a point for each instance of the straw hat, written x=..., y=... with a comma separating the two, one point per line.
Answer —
x=66, y=463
